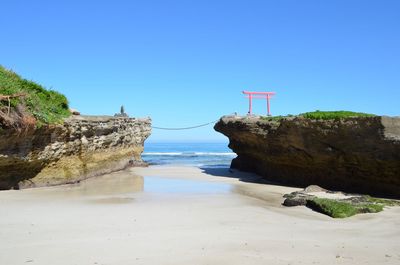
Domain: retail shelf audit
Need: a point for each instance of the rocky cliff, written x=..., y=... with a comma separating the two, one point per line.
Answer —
x=81, y=147
x=352, y=154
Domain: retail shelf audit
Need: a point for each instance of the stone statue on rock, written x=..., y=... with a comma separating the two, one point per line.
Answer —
x=122, y=113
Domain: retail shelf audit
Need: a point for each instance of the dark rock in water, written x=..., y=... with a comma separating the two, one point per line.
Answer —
x=360, y=154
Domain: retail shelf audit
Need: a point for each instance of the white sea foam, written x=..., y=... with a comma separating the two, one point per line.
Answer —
x=189, y=154
x=162, y=153
x=215, y=153
x=193, y=154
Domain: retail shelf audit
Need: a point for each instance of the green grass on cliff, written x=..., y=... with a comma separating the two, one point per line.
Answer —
x=46, y=106
x=330, y=115
x=386, y=202
x=321, y=115
x=274, y=118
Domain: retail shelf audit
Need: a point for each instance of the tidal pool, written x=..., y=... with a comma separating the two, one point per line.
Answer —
x=164, y=185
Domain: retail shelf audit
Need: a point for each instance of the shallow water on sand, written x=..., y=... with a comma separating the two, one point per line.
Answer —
x=126, y=187
x=162, y=185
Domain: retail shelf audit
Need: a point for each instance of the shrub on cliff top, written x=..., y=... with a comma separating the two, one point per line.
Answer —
x=321, y=115
x=36, y=105
x=330, y=115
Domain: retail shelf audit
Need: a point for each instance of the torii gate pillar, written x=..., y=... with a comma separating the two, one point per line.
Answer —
x=266, y=95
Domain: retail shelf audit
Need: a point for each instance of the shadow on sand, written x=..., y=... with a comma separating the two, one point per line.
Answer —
x=221, y=171
x=271, y=195
x=234, y=173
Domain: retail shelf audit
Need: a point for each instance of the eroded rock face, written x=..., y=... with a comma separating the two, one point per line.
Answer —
x=84, y=146
x=354, y=154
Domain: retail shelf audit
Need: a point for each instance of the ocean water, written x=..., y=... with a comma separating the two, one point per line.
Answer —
x=215, y=155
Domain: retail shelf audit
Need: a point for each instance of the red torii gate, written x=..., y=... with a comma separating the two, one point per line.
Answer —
x=251, y=95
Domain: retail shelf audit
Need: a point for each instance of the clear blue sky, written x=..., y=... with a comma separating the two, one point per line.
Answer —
x=186, y=62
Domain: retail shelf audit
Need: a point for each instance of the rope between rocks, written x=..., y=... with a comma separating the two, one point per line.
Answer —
x=185, y=128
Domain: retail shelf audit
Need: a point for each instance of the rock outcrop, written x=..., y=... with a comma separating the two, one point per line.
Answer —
x=353, y=154
x=336, y=204
x=81, y=147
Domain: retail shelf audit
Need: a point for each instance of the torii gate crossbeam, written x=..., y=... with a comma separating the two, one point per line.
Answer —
x=266, y=95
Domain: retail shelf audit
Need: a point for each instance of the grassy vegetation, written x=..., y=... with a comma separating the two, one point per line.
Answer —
x=330, y=115
x=321, y=115
x=385, y=202
x=343, y=209
x=273, y=118
x=46, y=106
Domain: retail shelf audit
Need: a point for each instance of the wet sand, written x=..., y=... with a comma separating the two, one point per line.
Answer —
x=184, y=215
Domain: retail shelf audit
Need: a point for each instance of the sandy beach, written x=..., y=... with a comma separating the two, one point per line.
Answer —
x=184, y=215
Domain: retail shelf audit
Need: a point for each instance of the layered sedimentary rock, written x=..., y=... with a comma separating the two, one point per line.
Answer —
x=352, y=154
x=81, y=147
